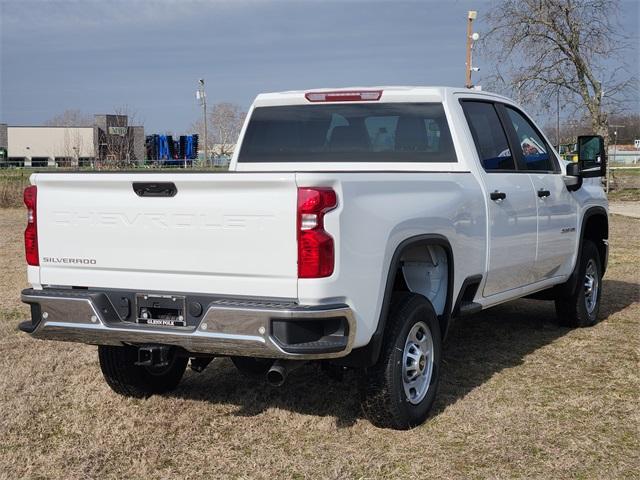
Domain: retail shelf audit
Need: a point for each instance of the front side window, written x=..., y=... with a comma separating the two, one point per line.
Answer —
x=489, y=136
x=390, y=132
x=535, y=152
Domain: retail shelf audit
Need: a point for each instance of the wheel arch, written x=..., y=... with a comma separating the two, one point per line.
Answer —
x=368, y=355
x=594, y=227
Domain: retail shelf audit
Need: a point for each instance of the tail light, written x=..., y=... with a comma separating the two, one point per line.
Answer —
x=344, y=96
x=31, y=232
x=315, y=246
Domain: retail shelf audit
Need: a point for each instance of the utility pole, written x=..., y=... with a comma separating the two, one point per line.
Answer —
x=471, y=37
x=202, y=96
x=615, y=151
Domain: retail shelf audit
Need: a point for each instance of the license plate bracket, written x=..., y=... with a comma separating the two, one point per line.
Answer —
x=161, y=310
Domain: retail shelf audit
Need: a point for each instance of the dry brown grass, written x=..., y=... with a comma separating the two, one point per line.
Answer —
x=520, y=398
x=11, y=187
x=626, y=195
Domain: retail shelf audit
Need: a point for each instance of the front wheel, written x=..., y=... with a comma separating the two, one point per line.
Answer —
x=580, y=308
x=399, y=390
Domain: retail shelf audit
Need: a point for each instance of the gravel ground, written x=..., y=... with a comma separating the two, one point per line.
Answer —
x=520, y=398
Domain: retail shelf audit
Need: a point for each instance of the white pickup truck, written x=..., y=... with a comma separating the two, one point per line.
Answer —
x=353, y=226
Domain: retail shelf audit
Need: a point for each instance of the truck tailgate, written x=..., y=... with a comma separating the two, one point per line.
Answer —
x=225, y=233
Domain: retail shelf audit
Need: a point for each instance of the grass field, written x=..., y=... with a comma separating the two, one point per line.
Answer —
x=12, y=184
x=520, y=398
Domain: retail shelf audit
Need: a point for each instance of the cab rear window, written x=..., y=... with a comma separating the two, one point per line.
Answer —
x=391, y=132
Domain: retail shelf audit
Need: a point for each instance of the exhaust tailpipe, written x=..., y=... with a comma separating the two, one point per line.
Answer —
x=277, y=374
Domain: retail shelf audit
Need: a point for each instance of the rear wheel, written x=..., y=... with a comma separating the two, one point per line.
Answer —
x=580, y=308
x=399, y=390
x=131, y=380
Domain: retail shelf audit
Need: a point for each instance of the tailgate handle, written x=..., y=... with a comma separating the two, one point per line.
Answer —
x=155, y=189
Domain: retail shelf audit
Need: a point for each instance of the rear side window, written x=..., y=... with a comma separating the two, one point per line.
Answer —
x=489, y=136
x=391, y=132
x=535, y=152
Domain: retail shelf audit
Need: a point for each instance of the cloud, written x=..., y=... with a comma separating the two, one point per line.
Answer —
x=87, y=14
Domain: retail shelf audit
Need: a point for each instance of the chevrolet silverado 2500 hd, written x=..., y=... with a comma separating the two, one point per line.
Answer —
x=353, y=226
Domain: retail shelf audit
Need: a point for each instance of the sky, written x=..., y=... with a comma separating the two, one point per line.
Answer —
x=100, y=55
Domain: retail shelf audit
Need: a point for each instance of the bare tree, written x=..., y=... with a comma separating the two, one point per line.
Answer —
x=116, y=146
x=73, y=146
x=631, y=131
x=569, y=130
x=224, y=123
x=544, y=48
x=70, y=118
x=227, y=120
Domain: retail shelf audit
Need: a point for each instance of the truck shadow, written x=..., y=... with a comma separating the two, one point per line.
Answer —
x=478, y=347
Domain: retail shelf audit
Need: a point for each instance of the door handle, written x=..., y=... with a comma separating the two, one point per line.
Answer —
x=155, y=189
x=495, y=196
x=543, y=193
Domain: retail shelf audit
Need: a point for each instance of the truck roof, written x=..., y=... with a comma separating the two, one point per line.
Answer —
x=393, y=93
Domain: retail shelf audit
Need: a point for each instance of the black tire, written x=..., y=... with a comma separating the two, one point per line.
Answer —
x=572, y=309
x=384, y=400
x=252, y=367
x=126, y=378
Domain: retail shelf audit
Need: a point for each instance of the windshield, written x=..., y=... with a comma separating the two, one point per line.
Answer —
x=391, y=132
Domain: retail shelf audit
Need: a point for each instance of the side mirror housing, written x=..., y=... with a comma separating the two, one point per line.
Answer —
x=592, y=157
x=573, y=178
x=573, y=170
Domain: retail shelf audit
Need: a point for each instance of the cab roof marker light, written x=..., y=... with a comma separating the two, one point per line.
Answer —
x=344, y=96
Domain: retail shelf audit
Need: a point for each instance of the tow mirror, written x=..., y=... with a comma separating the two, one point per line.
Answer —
x=573, y=178
x=592, y=158
x=573, y=170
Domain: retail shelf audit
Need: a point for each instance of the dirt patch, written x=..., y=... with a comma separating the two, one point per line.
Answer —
x=520, y=398
x=627, y=208
x=627, y=195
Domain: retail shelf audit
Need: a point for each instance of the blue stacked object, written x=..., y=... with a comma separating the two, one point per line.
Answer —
x=163, y=148
x=189, y=153
x=167, y=151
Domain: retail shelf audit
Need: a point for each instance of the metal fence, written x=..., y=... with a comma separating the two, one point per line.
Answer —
x=622, y=158
x=92, y=164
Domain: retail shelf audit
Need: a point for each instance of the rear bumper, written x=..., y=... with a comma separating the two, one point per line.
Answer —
x=225, y=327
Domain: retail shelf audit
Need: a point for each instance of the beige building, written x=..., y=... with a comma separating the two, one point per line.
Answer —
x=110, y=138
x=50, y=146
